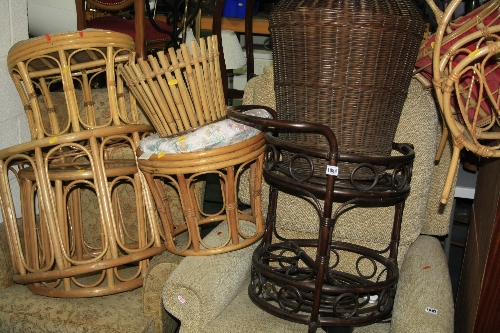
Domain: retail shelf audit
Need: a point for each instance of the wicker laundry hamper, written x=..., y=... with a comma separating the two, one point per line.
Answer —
x=346, y=64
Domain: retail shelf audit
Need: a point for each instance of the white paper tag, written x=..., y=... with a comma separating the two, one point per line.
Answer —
x=332, y=170
x=145, y=156
x=431, y=310
x=181, y=299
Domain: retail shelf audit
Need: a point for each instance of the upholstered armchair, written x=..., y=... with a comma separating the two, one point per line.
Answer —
x=210, y=294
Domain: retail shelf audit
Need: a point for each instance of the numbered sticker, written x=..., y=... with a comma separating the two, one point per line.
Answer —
x=332, y=170
x=431, y=310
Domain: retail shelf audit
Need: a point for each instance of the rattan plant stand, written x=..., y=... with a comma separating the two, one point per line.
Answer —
x=322, y=282
x=60, y=251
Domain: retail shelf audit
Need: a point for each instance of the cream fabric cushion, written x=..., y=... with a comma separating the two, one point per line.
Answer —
x=419, y=125
x=202, y=286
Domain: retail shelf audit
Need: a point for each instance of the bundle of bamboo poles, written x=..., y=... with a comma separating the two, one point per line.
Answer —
x=179, y=91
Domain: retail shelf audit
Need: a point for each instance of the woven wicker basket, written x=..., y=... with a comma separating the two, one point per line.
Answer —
x=346, y=64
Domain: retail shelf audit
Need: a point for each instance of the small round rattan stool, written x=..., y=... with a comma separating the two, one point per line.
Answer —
x=182, y=171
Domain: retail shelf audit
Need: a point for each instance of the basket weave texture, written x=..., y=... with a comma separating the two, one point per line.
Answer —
x=346, y=64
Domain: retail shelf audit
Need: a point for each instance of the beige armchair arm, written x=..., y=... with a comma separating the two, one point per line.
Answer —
x=201, y=287
x=424, y=300
x=160, y=267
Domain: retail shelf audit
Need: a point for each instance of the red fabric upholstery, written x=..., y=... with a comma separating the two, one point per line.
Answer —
x=493, y=79
x=119, y=24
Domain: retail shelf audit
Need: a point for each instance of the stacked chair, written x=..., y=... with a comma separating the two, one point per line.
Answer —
x=459, y=61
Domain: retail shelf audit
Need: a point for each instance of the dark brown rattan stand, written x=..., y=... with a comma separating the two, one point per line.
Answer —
x=321, y=282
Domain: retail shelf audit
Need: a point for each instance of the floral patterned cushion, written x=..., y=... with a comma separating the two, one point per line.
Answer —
x=6, y=270
x=214, y=135
x=22, y=311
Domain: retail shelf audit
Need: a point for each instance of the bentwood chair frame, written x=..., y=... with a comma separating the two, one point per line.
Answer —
x=464, y=105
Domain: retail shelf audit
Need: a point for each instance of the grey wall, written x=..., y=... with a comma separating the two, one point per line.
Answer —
x=13, y=124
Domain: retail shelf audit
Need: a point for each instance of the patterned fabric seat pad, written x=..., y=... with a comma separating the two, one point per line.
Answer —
x=214, y=135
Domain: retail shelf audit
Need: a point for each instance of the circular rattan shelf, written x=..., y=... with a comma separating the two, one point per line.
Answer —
x=283, y=279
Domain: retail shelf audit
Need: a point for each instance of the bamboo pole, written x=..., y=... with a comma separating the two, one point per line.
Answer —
x=209, y=88
x=184, y=56
x=176, y=125
x=190, y=112
x=161, y=105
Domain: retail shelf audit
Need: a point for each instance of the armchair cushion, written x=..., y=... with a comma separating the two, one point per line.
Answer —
x=424, y=282
x=22, y=311
x=137, y=311
x=161, y=266
x=242, y=316
x=6, y=271
x=424, y=300
x=208, y=293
